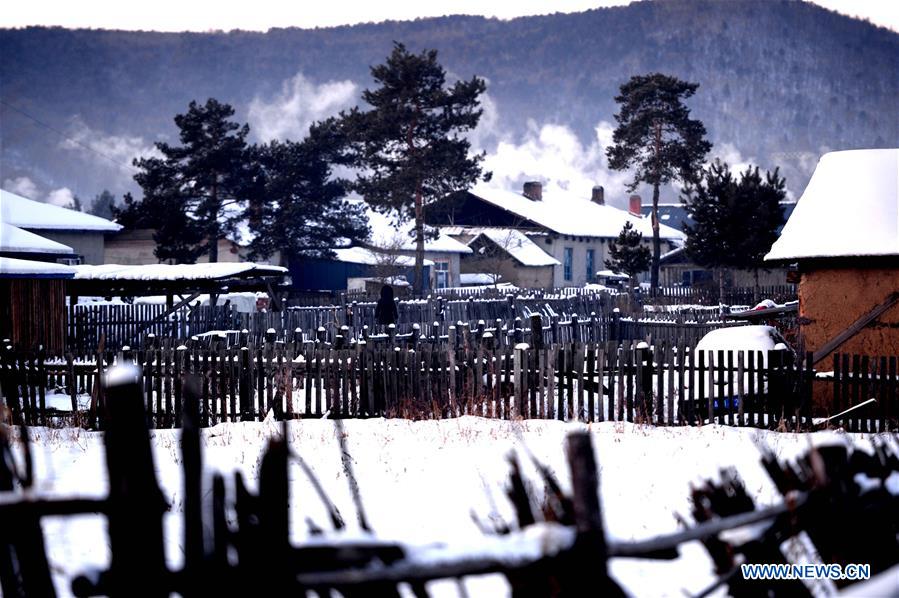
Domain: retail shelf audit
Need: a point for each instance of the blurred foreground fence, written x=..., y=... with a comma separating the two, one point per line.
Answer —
x=237, y=538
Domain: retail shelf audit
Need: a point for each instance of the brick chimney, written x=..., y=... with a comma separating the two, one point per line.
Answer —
x=598, y=195
x=533, y=190
x=634, y=206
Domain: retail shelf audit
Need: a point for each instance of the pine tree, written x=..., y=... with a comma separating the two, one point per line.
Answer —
x=735, y=222
x=656, y=137
x=102, y=205
x=298, y=207
x=407, y=147
x=627, y=254
x=196, y=188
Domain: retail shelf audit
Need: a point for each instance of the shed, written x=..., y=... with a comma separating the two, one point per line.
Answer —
x=320, y=274
x=844, y=236
x=33, y=303
x=19, y=243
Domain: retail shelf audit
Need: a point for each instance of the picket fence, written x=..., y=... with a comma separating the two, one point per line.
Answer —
x=509, y=320
x=663, y=385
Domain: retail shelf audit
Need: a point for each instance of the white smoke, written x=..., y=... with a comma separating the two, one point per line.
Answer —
x=300, y=103
x=728, y=152
x=113, y=151
x=62, y=197
x=22, y=186
x=552, y=154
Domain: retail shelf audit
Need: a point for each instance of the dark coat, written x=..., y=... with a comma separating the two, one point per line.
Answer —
x=385, y=312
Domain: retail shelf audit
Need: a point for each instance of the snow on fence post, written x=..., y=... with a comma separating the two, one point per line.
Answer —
x=615, y=325
x=479, y=333
x=435, y=333
x=643, y=381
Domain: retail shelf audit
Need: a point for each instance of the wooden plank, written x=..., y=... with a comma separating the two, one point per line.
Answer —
x=741, y=420
x=591, y=377
x=629, y=382
x=729, y=400
x=579, y=371
x=855, y=327
x=863, y=413
x=670, y=360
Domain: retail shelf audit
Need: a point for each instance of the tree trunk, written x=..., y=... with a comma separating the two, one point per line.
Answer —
x=757, y=291
x=419, y=243
x=656, y=241
x=214, y=227
x=720, y=285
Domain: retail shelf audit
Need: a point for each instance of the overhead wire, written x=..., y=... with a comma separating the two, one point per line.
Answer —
x=66, y=136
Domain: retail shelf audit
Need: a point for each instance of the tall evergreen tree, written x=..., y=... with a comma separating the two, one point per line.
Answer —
x=735, y=222
x=298, y=206
x=102, y=205
x=657, y=138
x=627, y=254
x=196, y=187
x=407, y=147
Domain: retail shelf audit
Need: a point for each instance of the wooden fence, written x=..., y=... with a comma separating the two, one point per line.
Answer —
x=129, y=325
x=666, y=385
x=231, y=533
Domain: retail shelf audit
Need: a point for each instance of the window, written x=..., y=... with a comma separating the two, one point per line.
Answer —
x=441, y=274
x=591, y=272
x=569, y=257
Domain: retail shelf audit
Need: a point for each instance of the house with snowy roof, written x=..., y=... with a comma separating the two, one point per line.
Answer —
x=844, y=236
x=83, y=234
x=568, y=234
x=441, y=249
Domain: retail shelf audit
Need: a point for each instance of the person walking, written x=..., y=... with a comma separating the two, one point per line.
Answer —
x=385, y=312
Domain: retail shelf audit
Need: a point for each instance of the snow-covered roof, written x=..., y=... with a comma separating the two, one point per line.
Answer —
x=849, y=208
x=518, y=245
x=27, y=213
x=361, y=255
x=473, y=278
x=385, y=234
x=15, y=240
x=568, y=214
x=176, y=271
x=15, y=268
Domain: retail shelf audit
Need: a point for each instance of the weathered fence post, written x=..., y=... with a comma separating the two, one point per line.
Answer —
x=136, y=542
x=588, y=567
x=246, y=385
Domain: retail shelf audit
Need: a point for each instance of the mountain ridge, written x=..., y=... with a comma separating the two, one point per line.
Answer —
x=780, y=82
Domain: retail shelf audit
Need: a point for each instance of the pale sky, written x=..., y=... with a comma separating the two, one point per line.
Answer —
x=260, y=15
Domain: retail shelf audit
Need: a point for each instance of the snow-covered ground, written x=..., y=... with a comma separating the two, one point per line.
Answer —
x=421, y=480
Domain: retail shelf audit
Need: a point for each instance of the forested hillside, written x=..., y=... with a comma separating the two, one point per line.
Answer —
x=781, y=82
